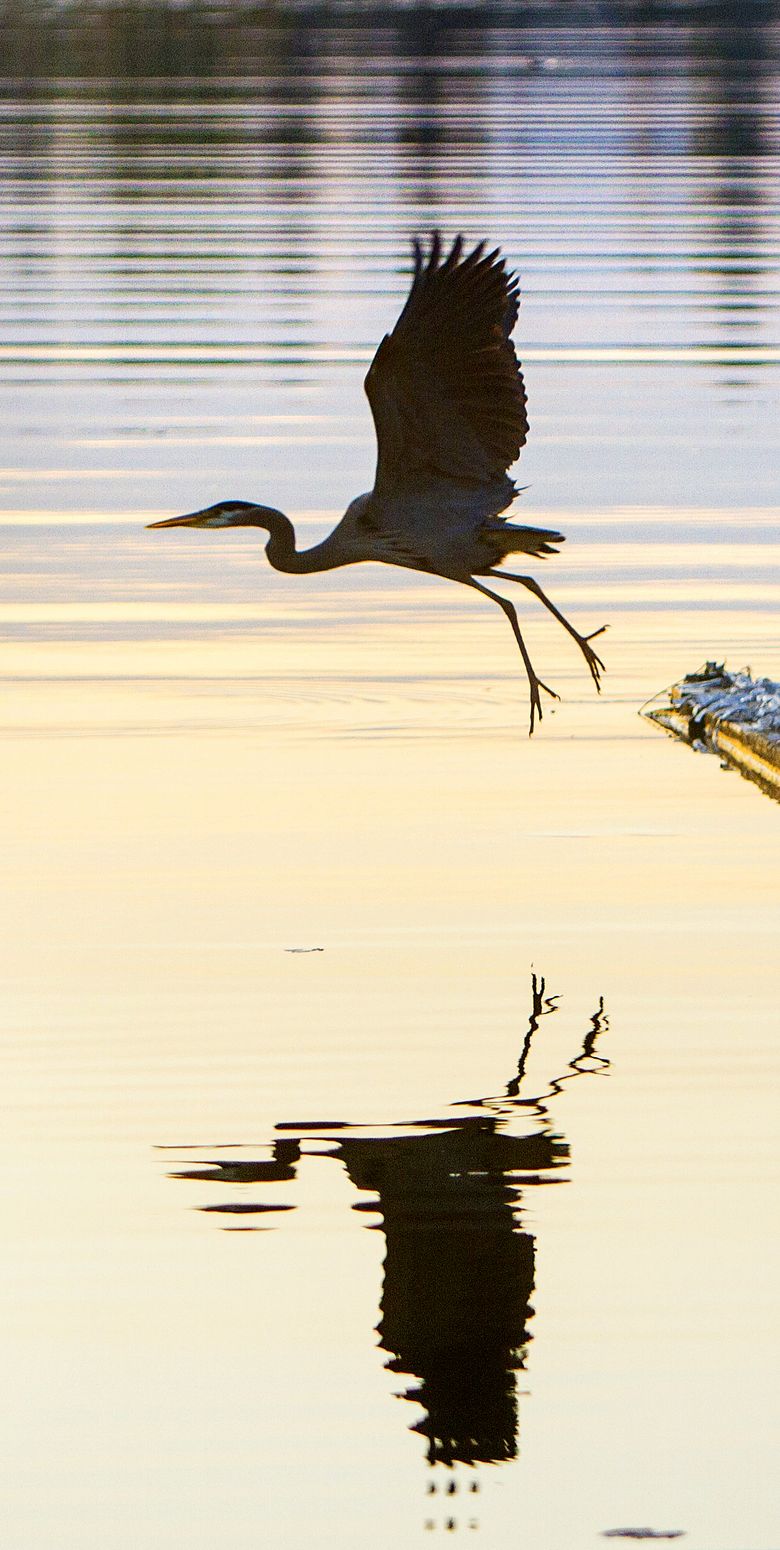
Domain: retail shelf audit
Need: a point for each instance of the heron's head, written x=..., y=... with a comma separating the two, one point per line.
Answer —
x=223, y=514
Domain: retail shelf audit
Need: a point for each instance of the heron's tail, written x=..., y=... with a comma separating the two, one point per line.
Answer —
x=522, y=540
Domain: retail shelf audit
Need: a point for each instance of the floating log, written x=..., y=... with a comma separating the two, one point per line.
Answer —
x=731, y=714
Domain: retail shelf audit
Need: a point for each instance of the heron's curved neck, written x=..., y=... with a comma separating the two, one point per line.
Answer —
x=281, y=550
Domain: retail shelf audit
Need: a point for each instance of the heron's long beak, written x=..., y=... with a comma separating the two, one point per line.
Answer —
x=193, y=519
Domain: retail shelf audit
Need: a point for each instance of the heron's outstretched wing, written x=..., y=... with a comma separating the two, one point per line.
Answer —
x=445, y=386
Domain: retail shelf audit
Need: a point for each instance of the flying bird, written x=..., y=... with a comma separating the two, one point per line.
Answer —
x=449, y=406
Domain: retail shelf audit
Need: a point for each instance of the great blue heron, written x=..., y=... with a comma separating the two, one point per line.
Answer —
x=449, y=407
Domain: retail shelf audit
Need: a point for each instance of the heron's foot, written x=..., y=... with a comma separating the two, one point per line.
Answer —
x=595, y=665
x=536, y=700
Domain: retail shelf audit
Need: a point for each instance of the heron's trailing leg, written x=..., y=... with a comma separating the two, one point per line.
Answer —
x=534, y=682
x=595, y=663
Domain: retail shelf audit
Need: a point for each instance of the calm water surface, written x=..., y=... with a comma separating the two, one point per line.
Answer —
x=463, y=1222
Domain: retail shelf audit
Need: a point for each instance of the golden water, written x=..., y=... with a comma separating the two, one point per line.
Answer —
x=503, y=1146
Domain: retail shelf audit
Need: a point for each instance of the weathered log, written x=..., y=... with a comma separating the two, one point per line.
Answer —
x=731, y=714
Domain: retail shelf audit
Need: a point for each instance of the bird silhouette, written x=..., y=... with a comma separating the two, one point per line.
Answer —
x=449, y=406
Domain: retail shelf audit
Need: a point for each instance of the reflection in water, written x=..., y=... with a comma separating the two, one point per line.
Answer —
x=458, y=1277
x=458, y=1270
x=737, y=97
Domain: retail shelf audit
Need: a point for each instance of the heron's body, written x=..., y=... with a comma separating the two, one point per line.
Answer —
x=449, y=406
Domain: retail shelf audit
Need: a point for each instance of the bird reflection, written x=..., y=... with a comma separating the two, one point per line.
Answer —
x=458, y=1277
x=459, y=1266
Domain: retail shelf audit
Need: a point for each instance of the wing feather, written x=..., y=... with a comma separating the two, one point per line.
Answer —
x=445, y=387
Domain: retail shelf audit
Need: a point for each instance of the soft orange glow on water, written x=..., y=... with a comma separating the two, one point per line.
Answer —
x=387, y=1129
